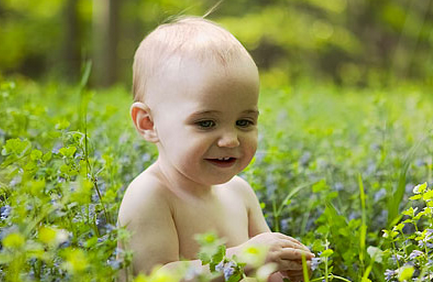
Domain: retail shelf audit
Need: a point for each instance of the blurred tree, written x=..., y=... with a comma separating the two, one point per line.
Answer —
x=105, y=39
x=357, y=42
x=71, y=41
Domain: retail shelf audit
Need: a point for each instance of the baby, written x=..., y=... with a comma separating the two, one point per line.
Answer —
x=196, y=97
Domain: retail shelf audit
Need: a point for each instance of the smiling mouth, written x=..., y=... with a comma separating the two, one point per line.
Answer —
x=222, y=162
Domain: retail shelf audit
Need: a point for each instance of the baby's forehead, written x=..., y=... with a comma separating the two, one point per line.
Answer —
x=172, y=46
x=188, y=79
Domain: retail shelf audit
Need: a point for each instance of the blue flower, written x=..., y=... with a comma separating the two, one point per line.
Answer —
x=396, y=257
x=414, y=254
x=114, y=264
x=5, y=211
x=389, y=274
x=315, y=263
x=219, y=267
x=228, y=270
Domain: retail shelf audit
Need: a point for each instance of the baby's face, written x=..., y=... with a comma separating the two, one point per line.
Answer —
x=206, y=116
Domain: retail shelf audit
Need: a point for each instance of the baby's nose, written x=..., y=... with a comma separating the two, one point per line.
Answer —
x=228, y=140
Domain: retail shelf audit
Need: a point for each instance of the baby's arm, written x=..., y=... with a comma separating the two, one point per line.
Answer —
x=146, y=213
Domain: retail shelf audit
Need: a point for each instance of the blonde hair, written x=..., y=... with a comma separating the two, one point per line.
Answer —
x=188, y=37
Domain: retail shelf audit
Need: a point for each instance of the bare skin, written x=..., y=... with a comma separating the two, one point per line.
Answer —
x=159, y=216
x=203, y=119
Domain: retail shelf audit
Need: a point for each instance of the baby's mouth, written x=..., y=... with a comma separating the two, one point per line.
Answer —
x=222, y=162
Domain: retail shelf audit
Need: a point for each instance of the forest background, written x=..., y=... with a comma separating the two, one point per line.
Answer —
x=357, y=42
x=344, y=163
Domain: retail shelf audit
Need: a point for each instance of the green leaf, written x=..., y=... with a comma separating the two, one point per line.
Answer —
x=47, y=156
x=326, y=253
x=235, y=277
x=418, y=189
x=91, y=242
x=63, y=124
x=67, y=151
x=319, y=186
x=405, y=272
x=220, y=254
x=428, y=195
x=16, y=146
x=375, y=253
x=415, y=197
x=35, y=155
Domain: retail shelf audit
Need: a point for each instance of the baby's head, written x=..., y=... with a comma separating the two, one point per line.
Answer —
x=196, y=92
x=190, y=38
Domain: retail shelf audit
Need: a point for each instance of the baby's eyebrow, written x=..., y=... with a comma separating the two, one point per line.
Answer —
x=202, y=113
x=254, y=112
x=207, y=112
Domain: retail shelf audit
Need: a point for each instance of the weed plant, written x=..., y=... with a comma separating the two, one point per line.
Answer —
x=336, y=168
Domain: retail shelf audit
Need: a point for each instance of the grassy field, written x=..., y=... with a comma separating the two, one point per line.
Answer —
x=336, y=168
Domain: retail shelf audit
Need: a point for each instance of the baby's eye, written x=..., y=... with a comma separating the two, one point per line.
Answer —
x=205, y=124
x=244, y=123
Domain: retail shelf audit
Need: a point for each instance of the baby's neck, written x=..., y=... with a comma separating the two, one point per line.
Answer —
x=179, y=184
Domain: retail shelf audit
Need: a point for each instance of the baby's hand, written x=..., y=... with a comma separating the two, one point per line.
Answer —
x=284, y=251
x=297, y=275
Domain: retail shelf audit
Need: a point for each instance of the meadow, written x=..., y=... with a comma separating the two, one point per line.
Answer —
x=348, y=171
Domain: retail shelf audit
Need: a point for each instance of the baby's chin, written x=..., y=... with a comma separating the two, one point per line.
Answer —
x=218, y=180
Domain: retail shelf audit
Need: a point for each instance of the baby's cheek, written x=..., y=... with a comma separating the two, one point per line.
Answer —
x=250, y=149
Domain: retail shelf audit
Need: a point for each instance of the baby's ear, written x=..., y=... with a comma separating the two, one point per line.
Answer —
x=143, y=121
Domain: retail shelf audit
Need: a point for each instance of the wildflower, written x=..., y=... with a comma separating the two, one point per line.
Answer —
x=315, y=263
x=380, y=195
x=114, y=264
x=219, y=267
x=338, y=186
x=5, y=211
x=284, y=224
x=414, y=254
x=396, y=257
x=228, y=270
x=305, y=158
x=389, y=274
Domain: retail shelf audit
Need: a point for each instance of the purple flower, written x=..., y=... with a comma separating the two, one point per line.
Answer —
x=5, y=211
x=114, y=264
x=228, y=270
x=389, y=274
x=219, y=267
x=396, y=257
x=414, y=254
x=315, y=263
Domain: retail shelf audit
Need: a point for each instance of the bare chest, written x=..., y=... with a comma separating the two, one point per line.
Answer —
x=226, y=217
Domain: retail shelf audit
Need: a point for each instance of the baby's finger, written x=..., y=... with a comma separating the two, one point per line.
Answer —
x=293, y=241
x=290, y=266
x=296, y=278
x=295, y=254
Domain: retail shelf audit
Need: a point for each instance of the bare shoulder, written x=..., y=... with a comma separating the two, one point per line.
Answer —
x=257, y=223
x=144, y=194
x=242, y=186
x=243, y=189
x=146, y=212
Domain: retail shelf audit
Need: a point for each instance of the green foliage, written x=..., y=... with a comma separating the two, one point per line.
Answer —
x=330, y=163
x=352, y=42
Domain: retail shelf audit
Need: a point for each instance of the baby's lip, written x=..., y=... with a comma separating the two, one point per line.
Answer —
x=222, y=162
x=225, y=158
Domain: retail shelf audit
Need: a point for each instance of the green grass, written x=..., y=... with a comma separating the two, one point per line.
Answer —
x=335, y=169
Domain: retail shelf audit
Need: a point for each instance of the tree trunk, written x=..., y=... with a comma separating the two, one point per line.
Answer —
x=105, y=41
x=71, y=42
